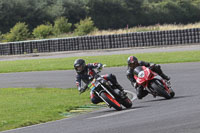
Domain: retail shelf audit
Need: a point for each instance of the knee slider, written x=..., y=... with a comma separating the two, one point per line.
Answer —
x=94, y=100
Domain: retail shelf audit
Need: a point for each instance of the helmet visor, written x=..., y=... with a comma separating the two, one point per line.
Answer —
x=79, y=68
x=133, y=65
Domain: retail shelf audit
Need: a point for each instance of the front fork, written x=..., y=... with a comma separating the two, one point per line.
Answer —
x=166, y=84
x=101, y=97
x=98, y=93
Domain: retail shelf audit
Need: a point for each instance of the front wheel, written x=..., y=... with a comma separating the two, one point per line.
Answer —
x=127, y=103
x=172, y=93
x=160, y=89
x=111, y=101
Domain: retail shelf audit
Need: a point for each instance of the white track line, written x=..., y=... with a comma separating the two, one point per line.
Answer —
x=112, y=114
x=134, y=96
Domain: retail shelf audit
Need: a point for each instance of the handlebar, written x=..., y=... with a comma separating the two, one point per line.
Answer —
x=96, y=75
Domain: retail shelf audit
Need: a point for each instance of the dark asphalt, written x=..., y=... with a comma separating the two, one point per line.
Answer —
x=149, y=115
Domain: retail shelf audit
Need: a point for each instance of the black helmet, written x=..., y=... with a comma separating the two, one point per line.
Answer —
x=79, y=65
x=132, y=62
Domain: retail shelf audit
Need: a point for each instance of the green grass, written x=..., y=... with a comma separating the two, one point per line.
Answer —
x=110, y=60
x=26, y=106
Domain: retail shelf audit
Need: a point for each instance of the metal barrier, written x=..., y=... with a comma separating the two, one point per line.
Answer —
x=135, y=39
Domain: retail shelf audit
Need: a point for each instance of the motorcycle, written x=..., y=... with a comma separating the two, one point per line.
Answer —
x=153, y=83
x=103, y=89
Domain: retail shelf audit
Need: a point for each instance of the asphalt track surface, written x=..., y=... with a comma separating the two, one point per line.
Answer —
x=149, y=115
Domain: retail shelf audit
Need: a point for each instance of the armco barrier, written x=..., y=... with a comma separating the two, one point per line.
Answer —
x=135, y=39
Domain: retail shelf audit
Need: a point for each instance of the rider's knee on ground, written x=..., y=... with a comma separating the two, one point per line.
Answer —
x=95, y=101
x=142, y=94
x=139, y=97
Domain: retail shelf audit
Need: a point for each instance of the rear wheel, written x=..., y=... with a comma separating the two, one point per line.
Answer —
x=160, y=89
x=111, y=101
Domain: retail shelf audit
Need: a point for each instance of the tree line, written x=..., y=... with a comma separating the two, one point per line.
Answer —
x=105, y=14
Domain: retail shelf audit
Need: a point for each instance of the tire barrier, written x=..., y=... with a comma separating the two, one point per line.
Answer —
x=135, y=39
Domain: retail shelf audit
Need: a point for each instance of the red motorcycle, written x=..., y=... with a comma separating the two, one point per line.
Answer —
x=153, y=83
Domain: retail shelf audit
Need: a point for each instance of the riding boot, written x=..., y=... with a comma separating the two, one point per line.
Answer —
x=118, y=86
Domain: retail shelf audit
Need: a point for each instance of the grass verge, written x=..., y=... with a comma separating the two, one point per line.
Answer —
x=21, y=107
x=110, y=60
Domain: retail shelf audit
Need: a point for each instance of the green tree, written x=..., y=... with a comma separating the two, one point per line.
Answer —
x=55, y=8
x=134, y=12
x=32, y=12
x=190, y=11
x=43, y=31
x=1, y=37
x=19, y=32
x=108, y=13
x=75, y=10
x=61, y=25
x=84, y=27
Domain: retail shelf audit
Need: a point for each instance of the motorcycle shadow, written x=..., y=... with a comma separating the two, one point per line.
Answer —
x=174, y=98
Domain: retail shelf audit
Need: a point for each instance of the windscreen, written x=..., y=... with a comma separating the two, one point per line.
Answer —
x=137, y=70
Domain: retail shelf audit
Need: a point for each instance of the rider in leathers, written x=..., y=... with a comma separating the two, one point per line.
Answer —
x=85, y=72
x=132, y=64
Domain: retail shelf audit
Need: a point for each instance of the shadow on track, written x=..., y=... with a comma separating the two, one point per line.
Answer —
x=163, y=99
x=124, y=109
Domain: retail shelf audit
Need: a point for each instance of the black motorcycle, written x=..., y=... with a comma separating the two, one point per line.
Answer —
x=111, y=96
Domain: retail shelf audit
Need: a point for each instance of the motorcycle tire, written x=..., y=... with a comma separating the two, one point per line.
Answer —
x=127, y=103
x=172, y=93
x=160, y=89
x=112, y=102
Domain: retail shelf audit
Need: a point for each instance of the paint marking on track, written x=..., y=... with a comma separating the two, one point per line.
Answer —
x=112, y=114
x=132, y=97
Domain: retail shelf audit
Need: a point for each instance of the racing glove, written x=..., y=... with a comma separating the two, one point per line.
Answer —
x=99, y=67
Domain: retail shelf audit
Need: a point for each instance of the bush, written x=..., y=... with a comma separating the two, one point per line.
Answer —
x=61, y=25
x=19, y=32
x=1, y=37
x=84, y=27
x=43, y=31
